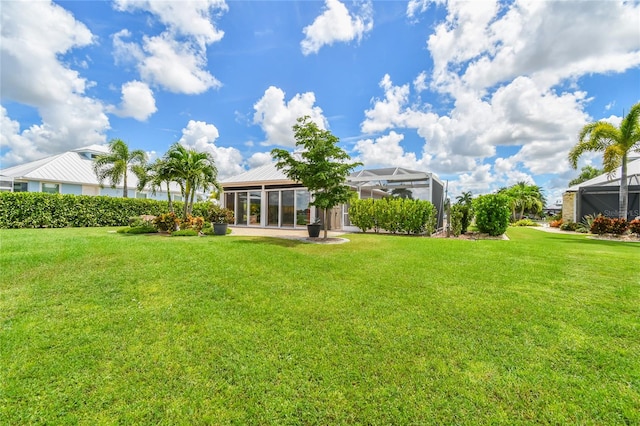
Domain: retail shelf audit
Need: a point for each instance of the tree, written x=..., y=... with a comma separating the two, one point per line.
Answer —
x=524, y=198
x=323, y=169
x=615, y=143
x=155, y=174
x=402, y=193
x=192, y=170
x=116, y=164
x=464, y=201
x=587, y=172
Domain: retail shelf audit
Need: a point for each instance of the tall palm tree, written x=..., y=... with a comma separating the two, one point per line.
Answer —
x=192, y=170
x=116, y=164
x=524, y=197
x=615, y=143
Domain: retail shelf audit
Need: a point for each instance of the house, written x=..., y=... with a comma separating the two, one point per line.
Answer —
x=600, y=195
x=266, y=197
x=72, y=173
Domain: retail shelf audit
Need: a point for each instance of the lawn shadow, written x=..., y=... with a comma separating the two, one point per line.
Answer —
x=275, y=241
x=594, y=241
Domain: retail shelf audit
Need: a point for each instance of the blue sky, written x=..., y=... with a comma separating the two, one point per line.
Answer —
x=484, y=94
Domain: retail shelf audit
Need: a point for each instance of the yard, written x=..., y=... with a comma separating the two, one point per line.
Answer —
x=104, y=328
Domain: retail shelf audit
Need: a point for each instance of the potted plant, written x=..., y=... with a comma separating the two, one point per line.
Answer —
x=220, y=217
x=314, y=228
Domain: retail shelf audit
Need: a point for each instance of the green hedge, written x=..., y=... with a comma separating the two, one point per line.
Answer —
x=40, y=210
x=397, y=215
x=492, y=213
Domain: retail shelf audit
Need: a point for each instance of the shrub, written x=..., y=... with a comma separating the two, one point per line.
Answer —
x=556, y=223
x=569, y=226
x=218, y=214
x=394, y=215
x=618, y=226
x=524, y=222
x=634, y=226
x=601, y=225
x=193, y=222
x=142, y=229
x=185, y=233
x=167, y=222
x=456, y=216
x=492, y=213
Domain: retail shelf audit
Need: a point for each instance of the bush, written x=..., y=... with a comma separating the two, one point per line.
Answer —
x=618, y=226
x=166, y=222
x=218, y=214
x=40, y=210
x=456, y=216
x=556, y=223
x=569, y=226
x=492, y=213
x=185, y=233
x=193, y=222
x=634, y=226
x=143, y=229
x=524, y=222
x=601, y=225
x=394, y=215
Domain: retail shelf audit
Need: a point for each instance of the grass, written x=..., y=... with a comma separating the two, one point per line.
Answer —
x=104, y=328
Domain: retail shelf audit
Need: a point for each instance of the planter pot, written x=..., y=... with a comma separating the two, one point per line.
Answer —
x=220, y=228
x=314, y=230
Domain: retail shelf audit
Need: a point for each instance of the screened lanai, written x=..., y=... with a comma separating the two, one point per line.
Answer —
x=428, y=187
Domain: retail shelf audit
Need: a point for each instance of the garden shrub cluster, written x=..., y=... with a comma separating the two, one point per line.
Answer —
x=492, y=213
x=396, y=215
x=525, y=222
x=456, y=219
x=606, y=225
x=41, y=210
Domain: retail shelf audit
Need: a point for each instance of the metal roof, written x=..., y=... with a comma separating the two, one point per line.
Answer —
x=391, y=177
x=633, y=177
x=268, y=173
x=73, y=167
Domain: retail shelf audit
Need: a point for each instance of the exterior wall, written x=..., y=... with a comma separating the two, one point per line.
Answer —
x=90, y=190
x=569, y=206
x=34, y=186
x=116, y=192
x=67, y=188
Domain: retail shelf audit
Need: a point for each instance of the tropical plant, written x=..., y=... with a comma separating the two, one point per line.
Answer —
x=402, y=193
x=524, y=198
x=586, y=173
x=322, y=169
x=217, y=214
x=167, y=222
x=634, y=226
x=192, y=170
x=601, y=225
x=615, y=143
x=156, y=174
x=117, y=163
x=455, y=219
x=465, y=201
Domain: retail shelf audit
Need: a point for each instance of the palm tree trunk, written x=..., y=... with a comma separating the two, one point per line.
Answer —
x=169, y=197
x=187, y=191
x=623, y=202
x=124, y=189
x=193, y=196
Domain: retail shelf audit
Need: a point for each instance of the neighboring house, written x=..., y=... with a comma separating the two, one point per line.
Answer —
x=600, y=195
x=265, y=197
x=72, y=173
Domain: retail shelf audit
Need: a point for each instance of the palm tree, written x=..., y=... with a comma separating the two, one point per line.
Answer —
x=402, y=193
x=465, y=200
x=192, y=170
x=615, y=143
x=155, y=175
x=524, y=197
x=116, y=164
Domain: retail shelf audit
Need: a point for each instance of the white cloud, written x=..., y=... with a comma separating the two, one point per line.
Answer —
x=386, y=151
x=336, y=24
x=201, y=136
x=137, y=101
x=175, y=59
x=419, y=83
x=277, y=117
x=34, y=36
x=259, y=159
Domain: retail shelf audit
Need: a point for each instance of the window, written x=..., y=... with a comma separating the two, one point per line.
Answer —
x=256, y=202
x=141, y=195
x=287, y=212
x=273, y=208
x=51, y=188
x=20, y=187
x=303, y=212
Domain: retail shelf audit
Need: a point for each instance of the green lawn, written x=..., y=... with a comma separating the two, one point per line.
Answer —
x=104, y=328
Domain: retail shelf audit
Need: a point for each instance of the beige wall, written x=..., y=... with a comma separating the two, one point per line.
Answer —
x=569, y=206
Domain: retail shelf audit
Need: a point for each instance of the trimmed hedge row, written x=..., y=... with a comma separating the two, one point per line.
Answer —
x=40, y=210
x=394, y=215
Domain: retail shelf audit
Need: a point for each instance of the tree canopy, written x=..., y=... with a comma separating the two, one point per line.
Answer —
x=323, y=167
